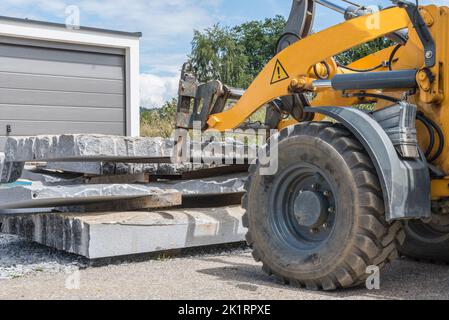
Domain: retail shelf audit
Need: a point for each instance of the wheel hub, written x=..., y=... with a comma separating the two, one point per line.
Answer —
x=311, y=209
x=303, y=206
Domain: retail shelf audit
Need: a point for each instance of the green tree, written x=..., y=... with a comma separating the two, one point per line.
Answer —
x=216, y=55
x=235, y=55
x=363, y=50
x=259, y=40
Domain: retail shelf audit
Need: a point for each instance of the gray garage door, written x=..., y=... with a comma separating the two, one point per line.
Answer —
x=46, y=90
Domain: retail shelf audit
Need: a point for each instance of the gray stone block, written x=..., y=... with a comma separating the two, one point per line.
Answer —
x=110, y=168
x=118, y=234
x=102, y=148
x=88, y=168
x=10, y=171
x=170, y=169
x=31, y=173
x=71, y=148
x=222, y=185
x=3, y=175
x=79, y=149
x=41, y=196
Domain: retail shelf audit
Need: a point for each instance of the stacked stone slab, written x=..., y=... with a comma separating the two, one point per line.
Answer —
x=103, y=210
x=111, y=168
x=10, y=171
x=43, y=196
x=86, y=147
x=127, y=233
x=229, y=184
x=102, y=148
x=109, y=196
x=81, y=148
x=110, y=149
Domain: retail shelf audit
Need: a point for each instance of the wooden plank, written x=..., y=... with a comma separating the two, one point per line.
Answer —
x=124, y=178
x=168, y=199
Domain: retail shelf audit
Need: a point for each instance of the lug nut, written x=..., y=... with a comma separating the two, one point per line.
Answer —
x=331, y=210
x=326, y=193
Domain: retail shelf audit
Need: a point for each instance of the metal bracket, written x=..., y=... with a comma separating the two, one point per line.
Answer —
x=188, y=85
x=423, y=31
x=299, y=24
x=196, y=102
x=203, y=103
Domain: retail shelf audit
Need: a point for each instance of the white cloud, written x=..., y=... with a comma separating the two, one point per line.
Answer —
x=162, y=63
x=167, y=25
x=156, y=90
x=160, y=20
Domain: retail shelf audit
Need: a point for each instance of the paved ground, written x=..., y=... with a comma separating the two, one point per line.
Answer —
x=41, y=273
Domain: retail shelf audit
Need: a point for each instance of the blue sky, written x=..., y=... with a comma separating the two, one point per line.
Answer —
x=167, y=27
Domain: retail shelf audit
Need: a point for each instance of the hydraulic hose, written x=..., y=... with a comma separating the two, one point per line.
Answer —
x=439, y=132
x=429, y=128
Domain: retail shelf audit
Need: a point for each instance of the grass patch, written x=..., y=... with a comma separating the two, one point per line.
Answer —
x=158, y=122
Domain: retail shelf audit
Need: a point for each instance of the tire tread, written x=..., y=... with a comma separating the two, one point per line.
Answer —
x=375, y=242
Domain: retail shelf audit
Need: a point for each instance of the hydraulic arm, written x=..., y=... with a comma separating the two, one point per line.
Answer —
x=299, y=59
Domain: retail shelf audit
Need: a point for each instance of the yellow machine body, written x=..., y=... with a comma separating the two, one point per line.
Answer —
x=292, y=70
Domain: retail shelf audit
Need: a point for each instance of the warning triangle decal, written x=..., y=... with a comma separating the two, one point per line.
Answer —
x=279, y=73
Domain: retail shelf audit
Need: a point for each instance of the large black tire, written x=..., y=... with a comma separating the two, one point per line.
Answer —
x=426, y=241
x=357, y=236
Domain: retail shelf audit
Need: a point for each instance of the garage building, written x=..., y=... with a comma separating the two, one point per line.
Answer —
x=56, y=80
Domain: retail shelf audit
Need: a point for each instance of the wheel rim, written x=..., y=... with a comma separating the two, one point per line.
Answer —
x=303, y=207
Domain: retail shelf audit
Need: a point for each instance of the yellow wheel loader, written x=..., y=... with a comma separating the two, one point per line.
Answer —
x=354, y=188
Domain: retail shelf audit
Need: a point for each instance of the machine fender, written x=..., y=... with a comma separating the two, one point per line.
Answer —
x=405, y=182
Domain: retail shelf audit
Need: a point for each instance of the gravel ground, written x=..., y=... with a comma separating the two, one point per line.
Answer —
x=19, y=258
x=31, y=271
